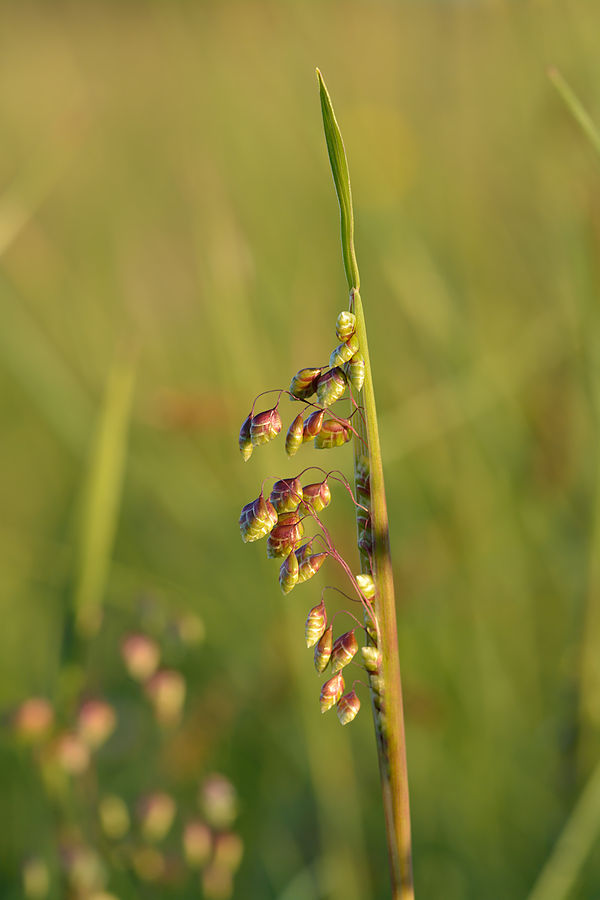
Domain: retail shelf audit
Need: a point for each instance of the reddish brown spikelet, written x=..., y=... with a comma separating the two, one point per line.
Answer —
x=330, y=386
x=304, y=551
x=313, y=425
x=304, y=383
x=288, y=573
x=265, y=426
x=310, y=566
x=294, y=436
x=323, y=649
x=245, y=440
x=316, y=623
x=334, y=433
x=285, y=535
x=286, y=495
x=331, y=692
x=317, y=495
x=348, y=707
x=257, y=519
x=345, y=648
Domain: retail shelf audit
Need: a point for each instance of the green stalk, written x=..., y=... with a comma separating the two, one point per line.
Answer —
x=389, y=726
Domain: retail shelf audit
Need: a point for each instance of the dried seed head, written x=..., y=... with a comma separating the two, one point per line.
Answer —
x=257, y=519
x=293, y=438
x=348, y=707
x=317, y=495
x=371, y=658
x=285, y=535
x=323, y=649
x=286, y=495
x=334, y=433
x=245, y=440
x=310, y=566
x=265, y=426
x=345, y=325
x=304, y=383
x=316, y=623
x=288, y=573
x=313, y=425
x=367, y=585
x=330, y=386
x=355, y=372
x=331, y=692
x=344, y=352
x=345, y=648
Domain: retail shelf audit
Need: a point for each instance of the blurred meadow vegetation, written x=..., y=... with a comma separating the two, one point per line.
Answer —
x=168, y=249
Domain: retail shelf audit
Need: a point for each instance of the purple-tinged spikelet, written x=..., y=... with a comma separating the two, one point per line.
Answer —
x=245, y=440
x=265, y=426
x=334, y=433
x=313, y=425
x=285, y=535
x=288, y=573
x=304, y=551
x=304, y=383
x=257, y=519
x=344, y=352
x=317, y=495
x=344, y=650
x=330, y=386
x=345, y=325
x=331, y=692
x=286, y=495
x=348, y=707
x=316, y=623
x=293, y=438
x=310, y=566
x=323, y=649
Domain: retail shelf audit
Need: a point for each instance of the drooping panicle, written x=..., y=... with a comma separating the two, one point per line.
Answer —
x=344, y=352
x=348, y=707
x=286, y=495
x=331, y=692
x=313, y=425
x=285, y=536
x=345, y=325
x=293, y=438
x=304, y=383
x=323, y=649
x=288, y=573
x=265, y=426
x=331, y=386
x=310, y=566
x=344, y=650
x=334, y=433
x=245, y=440
x=316, y=623
x=317, y=495
x=257, y=519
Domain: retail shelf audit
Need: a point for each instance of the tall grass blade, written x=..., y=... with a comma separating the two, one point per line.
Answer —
x=576, y=107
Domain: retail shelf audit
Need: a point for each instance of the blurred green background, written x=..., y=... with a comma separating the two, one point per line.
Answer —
x=168, y=227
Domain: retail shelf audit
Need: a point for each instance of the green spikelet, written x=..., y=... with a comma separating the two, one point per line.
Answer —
x=317, y=495
x=344, y=650
x=348, y=707
x=355, y=372
x=331, y=692
x=345, y=325
x=304, y=383
x=313, y=425
x=344, y=352
x=334, y=433
x=293, y=438
x=371, y=658
x=316, y=624
x=331, y=386
x=323, y=650
x=288, y=573
x=310, y=566
x=245, y=441
x=257, y=519
x=367, y=585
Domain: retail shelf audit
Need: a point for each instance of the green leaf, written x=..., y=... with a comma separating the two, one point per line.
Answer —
x=341, y=179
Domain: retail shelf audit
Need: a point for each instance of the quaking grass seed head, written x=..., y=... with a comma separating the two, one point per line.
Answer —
x=245, y=440
x=265, y=426
x=331, y=386
x=285, y=536
x=334, y=433
x=313, y=425
x=345, y=325
x=286, y=495
x=318, y=495
x=316, y=622
x=310, y=566
x=348, y=707
x=331, y=692
x=323, y=649
x=288, y=573
x=257, y=519
x=304, y=383
x=344, y=650
x=293, y=438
